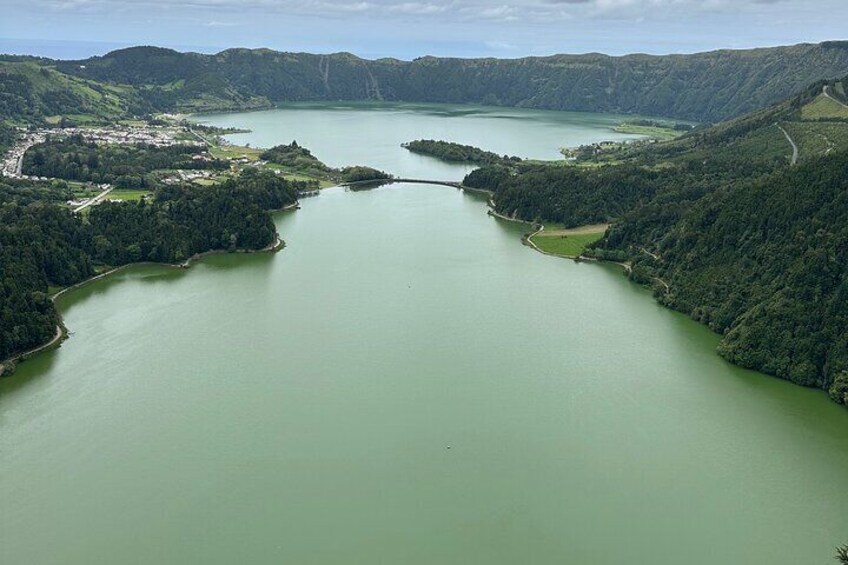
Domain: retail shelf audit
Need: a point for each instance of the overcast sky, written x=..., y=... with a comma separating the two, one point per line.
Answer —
x=378, y=28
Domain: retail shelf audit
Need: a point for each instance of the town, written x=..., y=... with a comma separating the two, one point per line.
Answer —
x=159, y=136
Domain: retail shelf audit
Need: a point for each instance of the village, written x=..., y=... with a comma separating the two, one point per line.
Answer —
x=11, y=165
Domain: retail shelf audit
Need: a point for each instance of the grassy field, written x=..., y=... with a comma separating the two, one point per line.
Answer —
x=235, y=152
x=290, y=174
x=204, y=182
x=823, y=108
x=254, y=153
x=81, y=190
x=654, y=132
x=571, y=243
x=127, y=195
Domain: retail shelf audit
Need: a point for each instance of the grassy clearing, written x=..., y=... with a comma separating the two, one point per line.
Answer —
x=253, y=154
x=572, y=163
x=823, y=107
x=235, y=152
x=127, y=195
x=322, y=183
x=654, y=132
x=80, y=190
x=290, y=174
x=571, y=243
x=565, y=245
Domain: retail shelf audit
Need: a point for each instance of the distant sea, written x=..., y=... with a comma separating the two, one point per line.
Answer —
x=65, y=49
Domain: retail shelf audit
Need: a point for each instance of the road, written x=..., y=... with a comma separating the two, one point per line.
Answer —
x=201, y=138
x=794, y=147
x=452, y=184
x=96, y=200
x=19, y=165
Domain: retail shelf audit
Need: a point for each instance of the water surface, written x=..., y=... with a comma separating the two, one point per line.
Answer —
x=371, y=134
x=406, y=383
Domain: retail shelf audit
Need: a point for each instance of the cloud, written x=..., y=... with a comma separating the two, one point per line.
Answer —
x=531, y=26
x=508, y=10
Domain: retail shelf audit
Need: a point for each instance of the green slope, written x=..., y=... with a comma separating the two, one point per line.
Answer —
x=31, y=91
x=702, y=87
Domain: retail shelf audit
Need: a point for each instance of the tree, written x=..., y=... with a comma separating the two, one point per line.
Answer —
x=842, y=554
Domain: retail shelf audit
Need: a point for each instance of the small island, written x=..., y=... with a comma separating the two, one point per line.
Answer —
x=456, y=153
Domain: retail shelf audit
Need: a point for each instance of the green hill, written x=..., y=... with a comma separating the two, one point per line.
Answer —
x=32, y=91
x=702, y=87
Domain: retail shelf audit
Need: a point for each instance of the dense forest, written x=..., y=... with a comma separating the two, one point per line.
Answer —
x=568, y=195
x=125, y=166
x=7, y=136
x=763, y=262
x=359, y=173
x=296, y=158
x=44, y=245
x=456, y=152
x=701, y=87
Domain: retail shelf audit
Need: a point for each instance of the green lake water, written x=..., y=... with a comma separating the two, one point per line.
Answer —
x=406, y=383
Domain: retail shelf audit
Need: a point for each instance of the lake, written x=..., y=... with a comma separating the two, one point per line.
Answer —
x=363, y=133
x=406, y=383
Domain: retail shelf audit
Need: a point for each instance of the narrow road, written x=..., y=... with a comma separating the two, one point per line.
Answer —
x=653, y=255
x=19, y=166
x=94, y=201
x=824, y=91
x=23, y=355
x=529, y=239
x=201, y=138
x=794, y=147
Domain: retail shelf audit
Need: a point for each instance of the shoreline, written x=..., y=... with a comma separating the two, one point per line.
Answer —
x=8, y=366
x=526, y=239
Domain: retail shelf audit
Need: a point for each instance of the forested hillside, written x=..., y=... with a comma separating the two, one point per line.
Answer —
x=725, y=228
x=763, y=262
x=702, y=87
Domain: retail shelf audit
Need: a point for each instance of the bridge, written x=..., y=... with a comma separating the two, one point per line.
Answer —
x=451, y=184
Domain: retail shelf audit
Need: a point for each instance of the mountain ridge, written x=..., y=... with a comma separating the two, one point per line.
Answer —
x=706, y=87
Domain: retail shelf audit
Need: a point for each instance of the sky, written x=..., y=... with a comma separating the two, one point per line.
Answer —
x=377, y=28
